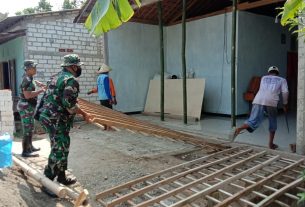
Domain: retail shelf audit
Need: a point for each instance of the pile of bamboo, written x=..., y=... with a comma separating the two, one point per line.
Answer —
x=105, y=116
x=79, y=198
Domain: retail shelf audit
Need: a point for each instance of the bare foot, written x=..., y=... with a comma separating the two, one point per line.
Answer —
x=273, y=146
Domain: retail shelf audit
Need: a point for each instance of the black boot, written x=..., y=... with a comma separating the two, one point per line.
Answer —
x=61, y=178
x=26, y=149
x=33, y=149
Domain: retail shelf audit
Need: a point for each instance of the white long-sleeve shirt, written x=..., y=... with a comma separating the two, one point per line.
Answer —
x=270, y=88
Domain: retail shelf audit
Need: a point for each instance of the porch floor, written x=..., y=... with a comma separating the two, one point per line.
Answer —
x=218, y=127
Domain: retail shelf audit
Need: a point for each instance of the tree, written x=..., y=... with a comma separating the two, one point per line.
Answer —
x=73, y=4
x=43, y=6
x=26, y=11
x=3, y=16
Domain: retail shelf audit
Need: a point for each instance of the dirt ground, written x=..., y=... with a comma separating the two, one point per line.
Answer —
x=99, y=159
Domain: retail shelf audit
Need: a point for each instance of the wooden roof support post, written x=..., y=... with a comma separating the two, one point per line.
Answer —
x=183, y=61
x=233, y=65
x=161, y=60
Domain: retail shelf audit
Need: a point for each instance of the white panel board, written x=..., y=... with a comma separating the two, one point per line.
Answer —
x=173, y=95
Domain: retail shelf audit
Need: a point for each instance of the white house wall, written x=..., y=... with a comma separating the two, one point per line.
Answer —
x=47, y=34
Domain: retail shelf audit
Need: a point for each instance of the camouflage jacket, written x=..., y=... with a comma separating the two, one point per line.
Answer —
x=28, y=84
x=60, y=96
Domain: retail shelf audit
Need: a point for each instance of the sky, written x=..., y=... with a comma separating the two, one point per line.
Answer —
x=12, y=6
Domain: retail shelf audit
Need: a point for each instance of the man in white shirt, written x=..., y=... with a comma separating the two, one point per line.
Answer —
x=266, y=100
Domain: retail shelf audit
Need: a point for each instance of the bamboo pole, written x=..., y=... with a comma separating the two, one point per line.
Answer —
x=184, y=61
x=55, y=188
x=160, y=13
x=233, y=65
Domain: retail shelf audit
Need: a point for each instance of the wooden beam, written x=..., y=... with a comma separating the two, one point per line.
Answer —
x=172, y=178
x=144, y=3
x=240, y=6
x=256, y=4
x=274, y=195
x=144, y=21
x=250, y=188
x=225, y=182
x=228, y=9
x=208, y=177
x=127, y=185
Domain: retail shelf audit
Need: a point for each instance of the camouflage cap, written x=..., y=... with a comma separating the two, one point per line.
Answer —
x=30, y=64
x=71, y=59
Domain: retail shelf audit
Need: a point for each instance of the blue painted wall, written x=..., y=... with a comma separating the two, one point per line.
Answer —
x=133, y=53
x=208, y=54
x=259, y=46
x=14, y=50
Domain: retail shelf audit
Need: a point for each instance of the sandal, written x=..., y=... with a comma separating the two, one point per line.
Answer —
x=273, y=146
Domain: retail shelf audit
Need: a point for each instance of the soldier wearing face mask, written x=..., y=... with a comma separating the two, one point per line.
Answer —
x=56, y=113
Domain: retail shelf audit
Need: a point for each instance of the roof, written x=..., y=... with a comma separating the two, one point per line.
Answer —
x=9, y=22
x=7, y=36
x=196, y=9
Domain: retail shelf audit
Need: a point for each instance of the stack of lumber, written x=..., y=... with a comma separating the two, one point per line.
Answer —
x=105, y=116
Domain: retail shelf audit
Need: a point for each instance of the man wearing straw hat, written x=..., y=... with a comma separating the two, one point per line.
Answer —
x=105, y=89
x=57, y=111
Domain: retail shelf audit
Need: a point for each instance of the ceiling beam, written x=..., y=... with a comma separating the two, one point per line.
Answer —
x=255, y=4
x=144, y=3
x=178, y=14
x=144, y=21
x=240, y=6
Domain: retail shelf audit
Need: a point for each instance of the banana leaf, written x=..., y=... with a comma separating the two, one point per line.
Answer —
x=291, y=9
x=109, y=14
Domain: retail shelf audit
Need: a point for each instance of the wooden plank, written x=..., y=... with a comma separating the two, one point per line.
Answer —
x=250, y=188
x=225, y=182
x=276, y=194
x=256, y=193
x=208, y=177
x=172, y=178
x=128, y=184
x=256, y=4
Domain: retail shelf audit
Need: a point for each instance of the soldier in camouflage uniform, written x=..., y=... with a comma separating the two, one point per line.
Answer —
x=57, y=111
x=26, y=107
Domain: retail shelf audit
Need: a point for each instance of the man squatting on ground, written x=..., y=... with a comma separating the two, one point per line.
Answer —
x=266, y=100
x=56, y=113
x=26, y=107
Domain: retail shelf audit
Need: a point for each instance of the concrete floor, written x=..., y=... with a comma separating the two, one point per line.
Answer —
x=218, y=127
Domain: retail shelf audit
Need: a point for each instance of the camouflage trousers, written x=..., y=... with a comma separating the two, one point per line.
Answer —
x=58, y=131
x=26, y=112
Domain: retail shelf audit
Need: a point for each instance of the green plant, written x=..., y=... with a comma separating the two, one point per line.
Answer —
x=109, y=14
x=293, y=15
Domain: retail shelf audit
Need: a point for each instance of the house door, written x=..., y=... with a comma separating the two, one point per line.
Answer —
x=292, y=79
